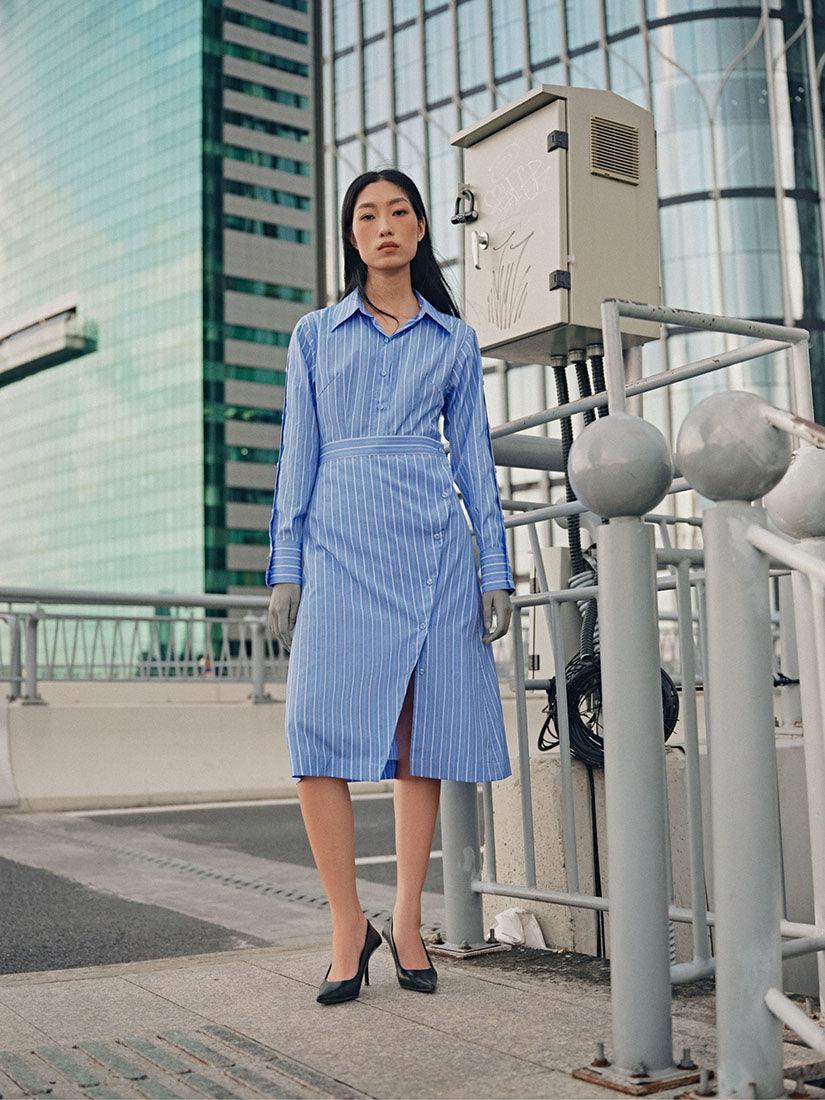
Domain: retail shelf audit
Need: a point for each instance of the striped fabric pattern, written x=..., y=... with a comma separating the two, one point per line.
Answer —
x=366, y=519
x=390, y=392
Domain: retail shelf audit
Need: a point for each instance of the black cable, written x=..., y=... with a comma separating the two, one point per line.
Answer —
x=781, y=680
x=587, y=643
x=543, y=743
x=599, y=385
x=588, y=627
x=584, y=708
x=597, y=871
x=583, y=379
x=577, y=561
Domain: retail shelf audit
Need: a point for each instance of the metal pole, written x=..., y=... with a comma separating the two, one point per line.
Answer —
x=701, y=938
x=613, y=358
x=633, y=373
x=462, y=864
x=634, y=786
x=571, y=857
x=791, y=708
x=801, y=372
x=524, y=773
x=257, y=627
x=744, y=804
x=15, y=667
x=813, y=725
x=30, y=693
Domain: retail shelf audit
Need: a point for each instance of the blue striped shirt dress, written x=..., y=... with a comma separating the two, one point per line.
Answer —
x=366, y=519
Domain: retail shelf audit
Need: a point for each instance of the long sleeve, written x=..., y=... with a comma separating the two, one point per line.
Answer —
x=467, y=428
x=297, y=463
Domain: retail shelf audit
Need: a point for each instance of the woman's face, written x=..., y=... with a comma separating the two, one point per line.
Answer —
x=384, y=215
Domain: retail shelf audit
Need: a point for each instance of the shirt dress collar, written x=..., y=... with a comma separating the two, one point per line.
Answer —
x=353, y=301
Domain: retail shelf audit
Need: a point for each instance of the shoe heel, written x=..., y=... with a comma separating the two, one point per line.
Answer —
x=367, y=974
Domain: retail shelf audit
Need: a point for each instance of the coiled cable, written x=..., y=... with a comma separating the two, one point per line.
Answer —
x=584, y=710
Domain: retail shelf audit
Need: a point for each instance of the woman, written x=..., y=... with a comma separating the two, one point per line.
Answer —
x=371, y=564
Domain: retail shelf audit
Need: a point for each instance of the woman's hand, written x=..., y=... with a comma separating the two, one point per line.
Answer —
x=283, y=610
x=497, y=601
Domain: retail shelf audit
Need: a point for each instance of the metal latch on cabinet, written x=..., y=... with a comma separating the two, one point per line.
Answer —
x=469, y=213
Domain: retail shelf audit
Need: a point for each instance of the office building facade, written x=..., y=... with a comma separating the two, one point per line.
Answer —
x=160, y=240
x=736, y=91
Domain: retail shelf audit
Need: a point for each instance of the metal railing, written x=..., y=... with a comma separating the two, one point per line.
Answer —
x=732, y=449
x=39, y=644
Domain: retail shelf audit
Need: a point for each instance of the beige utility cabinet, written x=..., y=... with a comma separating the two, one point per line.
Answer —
x=559, y=211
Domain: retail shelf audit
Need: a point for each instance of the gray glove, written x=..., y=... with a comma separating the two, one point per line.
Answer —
x=497, y=601
x=283, y=611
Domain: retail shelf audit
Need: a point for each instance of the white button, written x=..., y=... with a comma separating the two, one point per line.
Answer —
x=437, y=535
x=381, y=406
x=446, y=493
x=384, y=371
x=429, y=580
x=421, y=626
x=386, y=339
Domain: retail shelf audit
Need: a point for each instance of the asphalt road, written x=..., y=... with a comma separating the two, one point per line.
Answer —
x=51, y=921
x=276, y=831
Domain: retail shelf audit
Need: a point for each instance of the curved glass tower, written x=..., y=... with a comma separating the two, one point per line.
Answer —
x=100, y=184
x=736, y=91
x=158, y=245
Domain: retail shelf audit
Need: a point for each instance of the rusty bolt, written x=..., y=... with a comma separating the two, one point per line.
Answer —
x=600, y=1059
x=686, y=1062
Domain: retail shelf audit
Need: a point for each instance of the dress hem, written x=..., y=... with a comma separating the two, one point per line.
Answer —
x=496, y=775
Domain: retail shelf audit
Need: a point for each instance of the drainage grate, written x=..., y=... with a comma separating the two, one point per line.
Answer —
x=239, y=882
x=214, y=1061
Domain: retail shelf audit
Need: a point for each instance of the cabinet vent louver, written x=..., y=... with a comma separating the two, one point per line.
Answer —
x=614, y=149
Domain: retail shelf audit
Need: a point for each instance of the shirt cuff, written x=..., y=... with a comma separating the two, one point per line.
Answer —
x=284, y=565
x=495, y=571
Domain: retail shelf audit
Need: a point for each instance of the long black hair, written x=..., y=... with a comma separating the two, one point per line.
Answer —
x=425, y=273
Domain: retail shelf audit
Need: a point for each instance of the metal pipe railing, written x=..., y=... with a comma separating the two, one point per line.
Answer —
x=640, y=981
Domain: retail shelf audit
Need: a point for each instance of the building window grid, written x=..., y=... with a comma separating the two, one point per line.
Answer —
x=567, y=59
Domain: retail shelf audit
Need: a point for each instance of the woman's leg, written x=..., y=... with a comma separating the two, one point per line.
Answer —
x=415, y=800
x=326, y=806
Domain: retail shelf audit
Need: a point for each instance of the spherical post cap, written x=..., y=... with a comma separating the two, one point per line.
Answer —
x=620, y=465
x=797, y=504
x=727, y=450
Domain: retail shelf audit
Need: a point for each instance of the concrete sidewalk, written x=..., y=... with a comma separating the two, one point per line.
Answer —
x=246, y=1024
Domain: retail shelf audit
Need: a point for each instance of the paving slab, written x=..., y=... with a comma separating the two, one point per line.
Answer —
x=245, y=1023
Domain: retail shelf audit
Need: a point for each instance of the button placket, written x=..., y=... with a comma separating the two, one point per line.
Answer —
x=381, y=404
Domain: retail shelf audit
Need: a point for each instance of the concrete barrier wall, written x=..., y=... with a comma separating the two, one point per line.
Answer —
x=96, y=745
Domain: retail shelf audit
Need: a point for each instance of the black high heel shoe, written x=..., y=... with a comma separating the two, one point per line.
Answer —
x=347, y=989
x=422, y=980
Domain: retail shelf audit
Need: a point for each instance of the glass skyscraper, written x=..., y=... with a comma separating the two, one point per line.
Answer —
x=157, y=245
x=736, y=93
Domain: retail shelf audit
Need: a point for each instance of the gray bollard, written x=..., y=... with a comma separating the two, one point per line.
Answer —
x=730, y=453
x=620, y=468
x=461, y=864
x=797, y=507
x=744, y=805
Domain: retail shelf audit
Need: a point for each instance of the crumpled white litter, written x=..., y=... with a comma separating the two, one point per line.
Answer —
x=518, y=925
